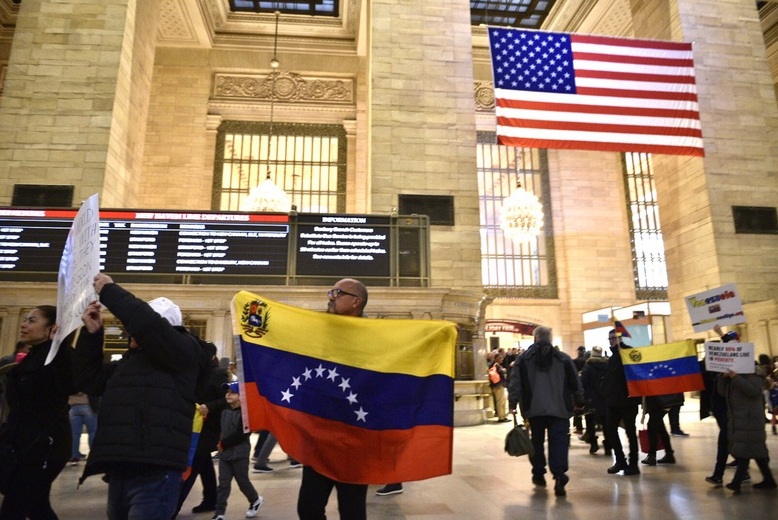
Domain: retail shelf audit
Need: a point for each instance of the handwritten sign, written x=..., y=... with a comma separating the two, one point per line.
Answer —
x=720, y=306
x=79, y=264
x=723, y=357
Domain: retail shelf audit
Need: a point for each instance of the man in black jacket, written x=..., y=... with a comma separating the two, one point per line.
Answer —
x=622, y=410
x=148, y=401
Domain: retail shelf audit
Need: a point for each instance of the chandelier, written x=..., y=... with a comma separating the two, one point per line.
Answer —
x=521, y=215
x=267, y=197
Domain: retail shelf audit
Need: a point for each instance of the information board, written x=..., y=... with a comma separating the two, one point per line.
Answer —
x=151, y=242
x=332, y=245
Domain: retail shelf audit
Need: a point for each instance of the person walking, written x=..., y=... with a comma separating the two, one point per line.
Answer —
x=545, y=385
x=622, y=410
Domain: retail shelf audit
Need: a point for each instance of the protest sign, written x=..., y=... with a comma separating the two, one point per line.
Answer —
x=720, y=306
x=723, y=357
x=79, y=264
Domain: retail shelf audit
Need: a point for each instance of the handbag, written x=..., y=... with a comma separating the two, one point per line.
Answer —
x=494, y=375
x=644, y=443
x=518, y=442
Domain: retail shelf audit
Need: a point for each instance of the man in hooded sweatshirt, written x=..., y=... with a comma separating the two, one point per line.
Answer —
x=544, y=382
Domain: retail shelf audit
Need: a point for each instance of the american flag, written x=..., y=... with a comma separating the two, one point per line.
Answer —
x=560, y=90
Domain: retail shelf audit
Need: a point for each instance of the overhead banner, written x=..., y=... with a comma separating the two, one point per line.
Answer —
x=720, y=306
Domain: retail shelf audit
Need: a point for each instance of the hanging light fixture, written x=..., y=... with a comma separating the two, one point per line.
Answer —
x=267, y=197
x=521, y=215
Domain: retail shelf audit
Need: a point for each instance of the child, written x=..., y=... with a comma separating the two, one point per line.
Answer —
x=234, y=449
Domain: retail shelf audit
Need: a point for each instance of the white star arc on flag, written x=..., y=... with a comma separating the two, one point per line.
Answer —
x=331, y=375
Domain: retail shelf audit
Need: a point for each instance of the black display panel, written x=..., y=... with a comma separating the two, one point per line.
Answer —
x=342, y=245
x=150, y=242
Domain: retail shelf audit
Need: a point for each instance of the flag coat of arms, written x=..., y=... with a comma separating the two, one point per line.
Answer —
x=662, y=369
x=360, y=400
x=581, y=92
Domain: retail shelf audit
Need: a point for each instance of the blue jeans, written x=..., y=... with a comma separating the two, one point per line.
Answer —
x=558, y=446
x=149, y=495
x=82, y=415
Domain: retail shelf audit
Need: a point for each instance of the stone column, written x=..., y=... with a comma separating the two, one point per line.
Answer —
x=76, y=97
x=422, y=123
x=739, y=125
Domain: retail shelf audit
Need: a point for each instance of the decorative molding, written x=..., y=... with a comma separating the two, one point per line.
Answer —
x=289, y=88
x=175, y=26
x=484, y=95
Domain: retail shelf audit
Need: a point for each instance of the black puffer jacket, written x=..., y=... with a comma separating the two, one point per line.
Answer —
x=148, y=397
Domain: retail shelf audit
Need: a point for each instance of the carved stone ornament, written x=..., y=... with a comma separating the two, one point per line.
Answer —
x=289, y=87
x=484, y=95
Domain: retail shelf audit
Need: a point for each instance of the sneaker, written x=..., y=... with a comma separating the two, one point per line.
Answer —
x=261, y=468
x=253, y=509
x=559, y=488
x=716, y=481
x=539, y=480
x=669, y=458
x=765, y=484
x=733, y=487
x=679, y=433
x=74, y=461
x=203, y=508
x=218, y=517
x=295, y=464
x=389, y=489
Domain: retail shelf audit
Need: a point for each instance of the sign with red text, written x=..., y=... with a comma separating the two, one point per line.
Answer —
x=720, y=306
x=723, y=357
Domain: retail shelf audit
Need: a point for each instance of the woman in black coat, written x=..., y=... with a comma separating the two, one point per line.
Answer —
x=38, y=426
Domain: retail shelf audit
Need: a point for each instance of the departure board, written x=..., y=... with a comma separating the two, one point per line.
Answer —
x=153, y=242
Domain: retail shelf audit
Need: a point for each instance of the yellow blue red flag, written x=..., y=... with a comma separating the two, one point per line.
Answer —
x=662, y=369
x=360, y=400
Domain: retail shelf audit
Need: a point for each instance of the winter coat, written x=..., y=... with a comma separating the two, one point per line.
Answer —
x=592, y=375
x=235, y=442
x=148, y=397
x=615, y=384
x=745, y=415
x=545, y=382
x=38, y=425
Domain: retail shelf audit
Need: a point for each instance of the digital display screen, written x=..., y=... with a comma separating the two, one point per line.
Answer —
x=343, y=245
x=154, y=242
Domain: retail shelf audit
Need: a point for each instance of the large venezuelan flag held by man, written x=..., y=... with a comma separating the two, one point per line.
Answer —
x=360, y=400
x=662, y=369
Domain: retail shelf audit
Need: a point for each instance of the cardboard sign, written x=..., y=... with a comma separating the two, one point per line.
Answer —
x=79, y=264
x=720, y=306
x=723, y=357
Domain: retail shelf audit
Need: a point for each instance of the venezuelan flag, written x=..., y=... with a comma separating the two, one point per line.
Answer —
x=197, y=427
x=662, y=369
x=360, y=400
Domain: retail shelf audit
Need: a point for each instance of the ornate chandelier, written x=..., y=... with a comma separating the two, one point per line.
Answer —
x=267, y=197
x=521, y=215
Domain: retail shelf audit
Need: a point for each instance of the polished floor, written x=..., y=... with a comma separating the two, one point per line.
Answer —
x=488, y=484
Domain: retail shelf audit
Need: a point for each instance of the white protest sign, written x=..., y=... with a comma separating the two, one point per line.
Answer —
x=723, y=357
x=79, y=264
x=720, y=306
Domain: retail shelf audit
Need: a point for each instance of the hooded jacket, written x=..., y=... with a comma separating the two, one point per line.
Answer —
x=148, y=397
x=545, y=382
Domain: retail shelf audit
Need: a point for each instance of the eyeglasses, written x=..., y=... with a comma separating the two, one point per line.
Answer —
x=611, y=338
x=334, y=294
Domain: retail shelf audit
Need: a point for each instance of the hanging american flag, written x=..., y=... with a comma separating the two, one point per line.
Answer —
x=560, y=90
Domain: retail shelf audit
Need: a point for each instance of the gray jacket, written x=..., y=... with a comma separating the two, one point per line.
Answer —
x=745, y=415
x=544, y=382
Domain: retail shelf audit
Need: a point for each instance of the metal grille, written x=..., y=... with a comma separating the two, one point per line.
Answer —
x=648, y=248
x=307, y=161
x=513, y=269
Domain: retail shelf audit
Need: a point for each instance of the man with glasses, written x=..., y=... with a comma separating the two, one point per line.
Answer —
x=347, y=297
x=622, y=409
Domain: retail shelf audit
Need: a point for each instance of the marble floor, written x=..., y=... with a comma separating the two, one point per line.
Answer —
x=488, y=484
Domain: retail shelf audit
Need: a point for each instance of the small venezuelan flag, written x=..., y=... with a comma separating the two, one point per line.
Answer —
x=197, y=427
x=662, y=369
x=360, y=400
